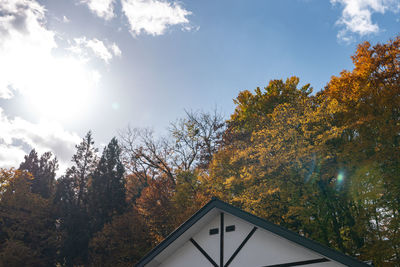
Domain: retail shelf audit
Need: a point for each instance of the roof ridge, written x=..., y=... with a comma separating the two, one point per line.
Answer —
x=258, y=221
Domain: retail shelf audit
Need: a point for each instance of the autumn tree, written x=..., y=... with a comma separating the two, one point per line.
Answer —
x=189, y=147
x=27, y=227
x=253, y=114
x=252, y=108
x=190, y=194
x=369, y=120
x=122, y=242
x=156, y=207
x=146, y=157
x=196, y=138
x=325, y=166
x=289, y=172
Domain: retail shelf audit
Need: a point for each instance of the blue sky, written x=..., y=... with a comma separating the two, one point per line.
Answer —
x=73, y=65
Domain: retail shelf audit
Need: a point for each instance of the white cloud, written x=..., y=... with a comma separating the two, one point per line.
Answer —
x=21, y=38
x=50, y=84
x=102, y=8
x=153, y=16
x=29, y=67
x=97, y=47
x=65, y=19
x=10, y=156
x=357, y=16
x=6, y=93
x=18, y=137
x=117, y=52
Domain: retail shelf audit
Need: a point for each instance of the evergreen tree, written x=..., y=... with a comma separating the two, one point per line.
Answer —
x=84, y=163
x=73, y=225
x=43, y=170
x=71, y=202
x=107, y=190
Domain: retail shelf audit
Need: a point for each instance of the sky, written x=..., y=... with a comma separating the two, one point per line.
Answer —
x=70, y=66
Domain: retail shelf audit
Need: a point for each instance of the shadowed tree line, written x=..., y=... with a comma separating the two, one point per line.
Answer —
x=325, y=165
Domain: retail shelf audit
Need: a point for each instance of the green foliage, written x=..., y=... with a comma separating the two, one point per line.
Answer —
x=107, y=187
x=326, y=166
x=252, y=108
x=71, y=204
x=84, y=164
x=43, y=170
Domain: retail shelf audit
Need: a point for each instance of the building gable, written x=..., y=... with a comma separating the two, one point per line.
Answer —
x=245, y=240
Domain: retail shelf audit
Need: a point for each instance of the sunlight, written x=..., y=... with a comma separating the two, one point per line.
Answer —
x=54, y=87
x=66, y=91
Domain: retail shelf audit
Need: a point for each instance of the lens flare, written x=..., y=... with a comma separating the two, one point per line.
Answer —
x=340, y=177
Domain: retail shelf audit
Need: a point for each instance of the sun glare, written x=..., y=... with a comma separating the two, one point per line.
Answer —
x=54, y=87
x=65, y=92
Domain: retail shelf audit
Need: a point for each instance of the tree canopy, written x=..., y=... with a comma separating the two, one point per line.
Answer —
x=325, y=165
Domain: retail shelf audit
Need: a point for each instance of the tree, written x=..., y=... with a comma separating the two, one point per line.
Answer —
x=325, y=166
x=27, y=227
x=43, y=170
x=15, y=253
x=369, y=120
x=73, y=225
x=107, y=187
x=163, y=181
x=252, y=109
x=156, y=206
x=84, y=163
x=190, y=146
x=196, y=138
x=71, y=203
x=285, y=169
x=146, y=157
x=122, y=242
x=189, y=195
x=248, y=132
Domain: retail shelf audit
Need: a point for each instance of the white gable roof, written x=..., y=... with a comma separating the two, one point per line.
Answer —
x=245, y=240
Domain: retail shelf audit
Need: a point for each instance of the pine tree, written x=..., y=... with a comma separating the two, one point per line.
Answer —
x=71, y=202
x=107, y=190
x=43, y=170
x=84, y=161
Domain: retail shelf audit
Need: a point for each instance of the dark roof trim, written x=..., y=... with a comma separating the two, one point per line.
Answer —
x=178, y=232
x=261, y=223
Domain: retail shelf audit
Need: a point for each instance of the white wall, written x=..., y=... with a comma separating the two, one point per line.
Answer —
x=263, y=248
x=187, y=256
